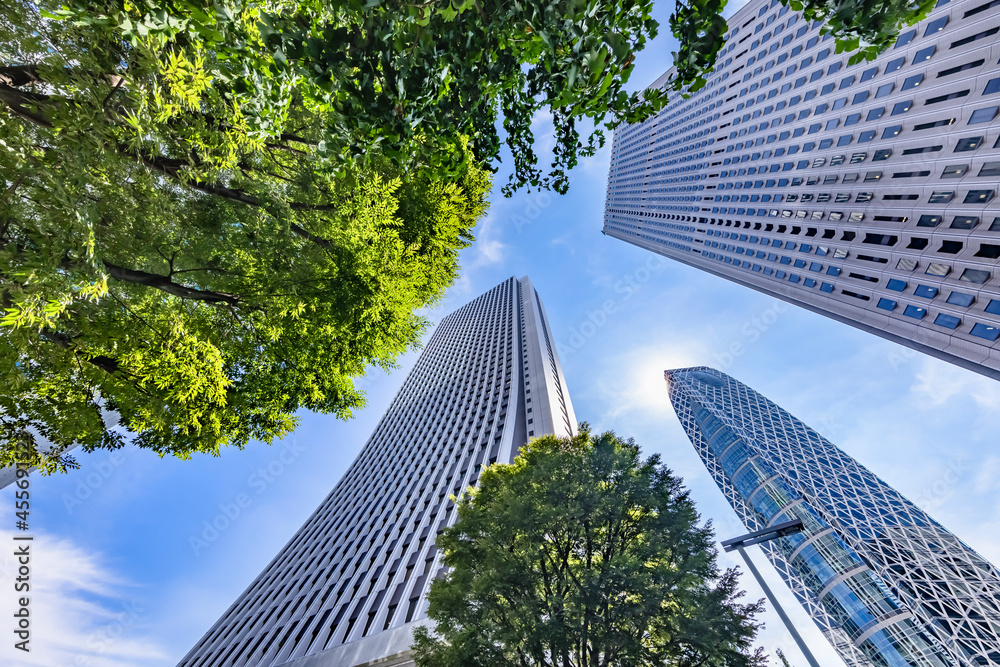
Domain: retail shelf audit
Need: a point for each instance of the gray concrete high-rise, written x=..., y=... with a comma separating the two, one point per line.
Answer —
x=886, y=584
x=863, y=192
x=352, y=583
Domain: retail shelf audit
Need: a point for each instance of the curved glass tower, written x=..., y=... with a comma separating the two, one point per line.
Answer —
x=886, y=584
x=351, y=584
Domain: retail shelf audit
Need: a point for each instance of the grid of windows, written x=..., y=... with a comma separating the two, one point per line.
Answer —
x=487, y=380
x=880, y=171
x=886, y=583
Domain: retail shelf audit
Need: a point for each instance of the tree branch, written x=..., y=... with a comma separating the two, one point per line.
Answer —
x=165, y=284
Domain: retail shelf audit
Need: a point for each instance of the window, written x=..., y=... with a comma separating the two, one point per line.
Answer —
x=964, y=222
x=840, y=103
x=925, y=291
x=869, y=74
x=941, y=197
x=857, y=158
x=884, y=89
x=950, y=96
x=955, y=171
x=872, y=176
x=961, y=68
x=904, y=39
x=985, y=331
x=936, y=123
x=887, y=304
x=882, y=154
x=989, y=250
x=901, y=107
x=852, y=119
x=976, y=37
x=968, y=144
x=993, y=307
x=847, y=82
x=929, y=221
x=975, y=276
x=913, y=82
x=915, y=312
x=906, y=264
x=961, y=299
x=923, y=149
x=875, y=114
x=910, y=174
x=990, y=169
x=917, y=243
x=924, y=55
x=860, y=97
x=992, y=86
x=896, y=285
x=866, y=136
x=984, y=115
x=936, y=25
x=979, y=196
x=948, y=321
x=891, y=131
x=864, y=197
x=894, y=65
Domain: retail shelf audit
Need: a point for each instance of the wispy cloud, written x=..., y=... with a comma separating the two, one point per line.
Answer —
x=81, y=613
x=938, y=382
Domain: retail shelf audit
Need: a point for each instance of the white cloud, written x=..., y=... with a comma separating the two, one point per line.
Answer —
x=988, y=476
x=488, y=249
x=81, y=614
x=938, y=382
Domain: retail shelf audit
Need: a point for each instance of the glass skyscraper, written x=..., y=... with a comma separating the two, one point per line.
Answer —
x=886, y=584
x=864, y=192
x=350, y=585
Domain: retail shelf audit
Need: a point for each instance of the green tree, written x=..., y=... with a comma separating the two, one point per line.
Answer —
x=863, y=28
x=394, y=79
x=582, y=554
x=216, y=213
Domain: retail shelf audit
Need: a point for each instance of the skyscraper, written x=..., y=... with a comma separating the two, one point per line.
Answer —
x=865, y=192
x=885, y=583
x=350, y=585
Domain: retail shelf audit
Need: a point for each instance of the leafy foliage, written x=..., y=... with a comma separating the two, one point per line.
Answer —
x=165, y=258
x=401, y=80
x=864, y=28
x=218, y=212
x=581, y=553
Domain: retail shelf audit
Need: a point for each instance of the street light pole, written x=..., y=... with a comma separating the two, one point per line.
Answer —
x=780, y=530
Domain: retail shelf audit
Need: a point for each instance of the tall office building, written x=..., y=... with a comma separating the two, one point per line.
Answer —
x=886, y=584
x=351, y=584
x=863, y=192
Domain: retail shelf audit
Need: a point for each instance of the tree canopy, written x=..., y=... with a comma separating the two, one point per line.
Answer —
x=864, y=28
x=580, y=553
x=216, y=213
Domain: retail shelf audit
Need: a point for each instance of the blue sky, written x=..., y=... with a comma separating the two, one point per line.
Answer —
x=126, y=572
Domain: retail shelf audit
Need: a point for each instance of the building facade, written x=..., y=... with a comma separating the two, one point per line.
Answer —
x=863, y=192
x=887, y=585
x=351, y=584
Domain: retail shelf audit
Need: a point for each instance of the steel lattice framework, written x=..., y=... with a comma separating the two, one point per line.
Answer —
x=350, y=585
x=886, y=583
